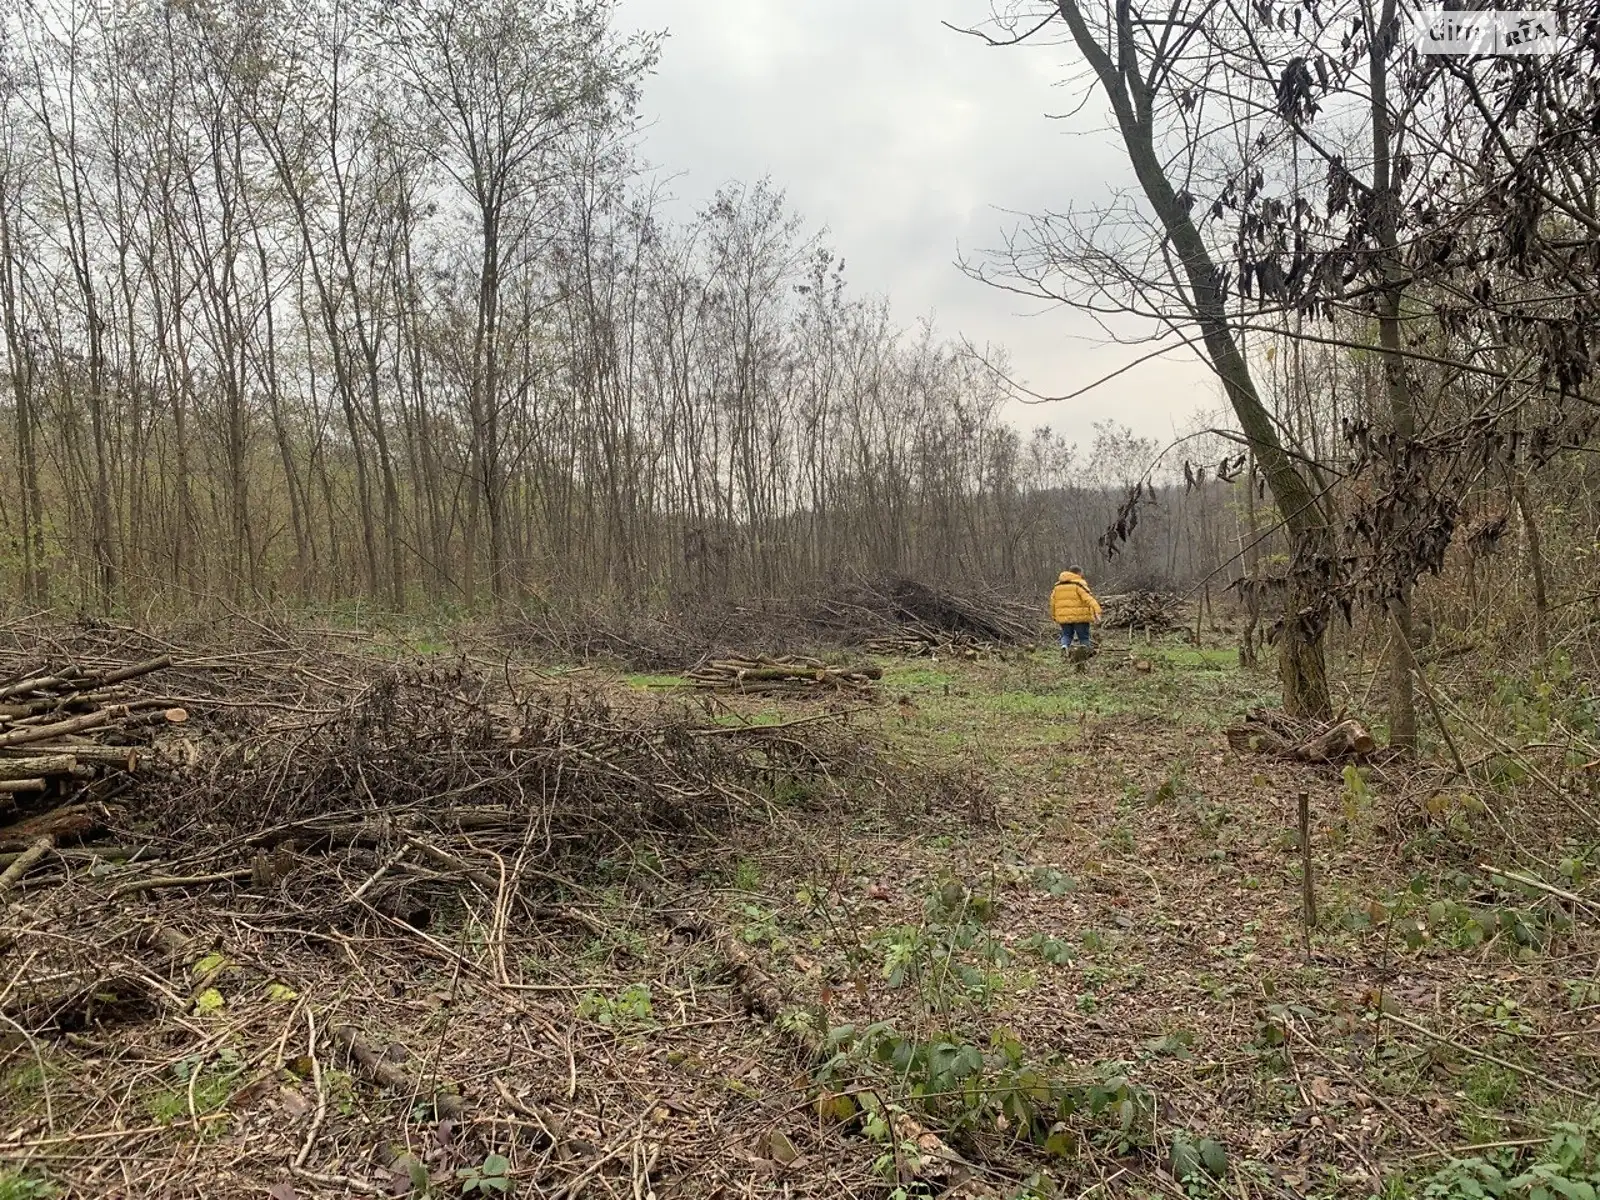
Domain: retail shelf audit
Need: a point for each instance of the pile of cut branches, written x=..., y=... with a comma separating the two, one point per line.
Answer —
x=928, y=644
x=289, y=755
x=906, y=617
x=69, y=735
x=335, y=860
x=790, y=673
x=426, y=788
x=886, y=616
x=639, y=643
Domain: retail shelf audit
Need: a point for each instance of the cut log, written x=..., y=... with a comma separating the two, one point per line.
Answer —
x=42, y=766
x=43, y=733
x=787, y=674
x=71, y=823
x=125, y=758
x=69, y=677
x=24, y=862
x=385, y=1074
x=92, y=854
x=1346, y=740
x=123, y=674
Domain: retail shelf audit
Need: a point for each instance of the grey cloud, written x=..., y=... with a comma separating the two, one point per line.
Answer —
x=909, y=142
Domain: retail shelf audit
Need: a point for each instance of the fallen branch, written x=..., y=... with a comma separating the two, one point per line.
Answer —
x=1344, y=741
x=92, y=854
x=763, y=996
x=124, y=757
x=40, y=767
x=1540, y=885
x=73, y=821
x=385, y=1074
x=24, y=862
x=43, y=733
x=1474, y=1052
x=785, y=674
x=134, y=887
x=732, y=730
x=68, y=677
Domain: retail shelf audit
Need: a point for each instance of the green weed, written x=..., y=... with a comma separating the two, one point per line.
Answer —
x=1490, y=1086
x=631, y=1008
x=1567, y=1167
x=746, y=876
x=1188, y=658
x=26, y=1083
x=970, y=1084
x=209, y=1083
x=908, y=678
x=656, y=681
x=26, y=1185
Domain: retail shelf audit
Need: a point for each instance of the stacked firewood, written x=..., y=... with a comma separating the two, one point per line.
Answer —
x=60, y=731
x=790, y=673
x=1139, y=610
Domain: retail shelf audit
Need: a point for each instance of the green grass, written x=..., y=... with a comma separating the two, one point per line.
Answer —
x=747, y=875
x=768, y=716
x=1189, y=658
x=211, y=1090
x=17, y=1185
x=1067, y=703
x=907, y=677
x=25, y=1084
x=1028, y=702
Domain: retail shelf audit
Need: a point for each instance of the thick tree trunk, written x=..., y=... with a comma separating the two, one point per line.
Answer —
x=1302, y=666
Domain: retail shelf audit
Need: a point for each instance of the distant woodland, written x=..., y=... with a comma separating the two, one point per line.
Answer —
x=330, y=302
x=320, y=303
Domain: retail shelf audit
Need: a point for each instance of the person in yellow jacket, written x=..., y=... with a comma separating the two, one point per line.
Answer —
x=1074, y=608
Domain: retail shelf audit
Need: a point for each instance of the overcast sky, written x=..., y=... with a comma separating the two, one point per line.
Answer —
x=910, y=143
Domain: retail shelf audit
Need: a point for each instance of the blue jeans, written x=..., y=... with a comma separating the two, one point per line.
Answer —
x=1077, y=632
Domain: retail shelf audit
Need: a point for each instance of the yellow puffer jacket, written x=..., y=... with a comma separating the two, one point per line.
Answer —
x=1071, y=602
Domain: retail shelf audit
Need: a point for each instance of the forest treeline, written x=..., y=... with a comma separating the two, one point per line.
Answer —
x=341, y=301
x=377, y=301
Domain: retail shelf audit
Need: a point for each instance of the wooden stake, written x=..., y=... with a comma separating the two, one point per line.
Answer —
x=1308, y=887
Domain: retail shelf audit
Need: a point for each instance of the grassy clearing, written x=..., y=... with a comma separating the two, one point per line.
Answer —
x=1134, y=913
x=1049, y=914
